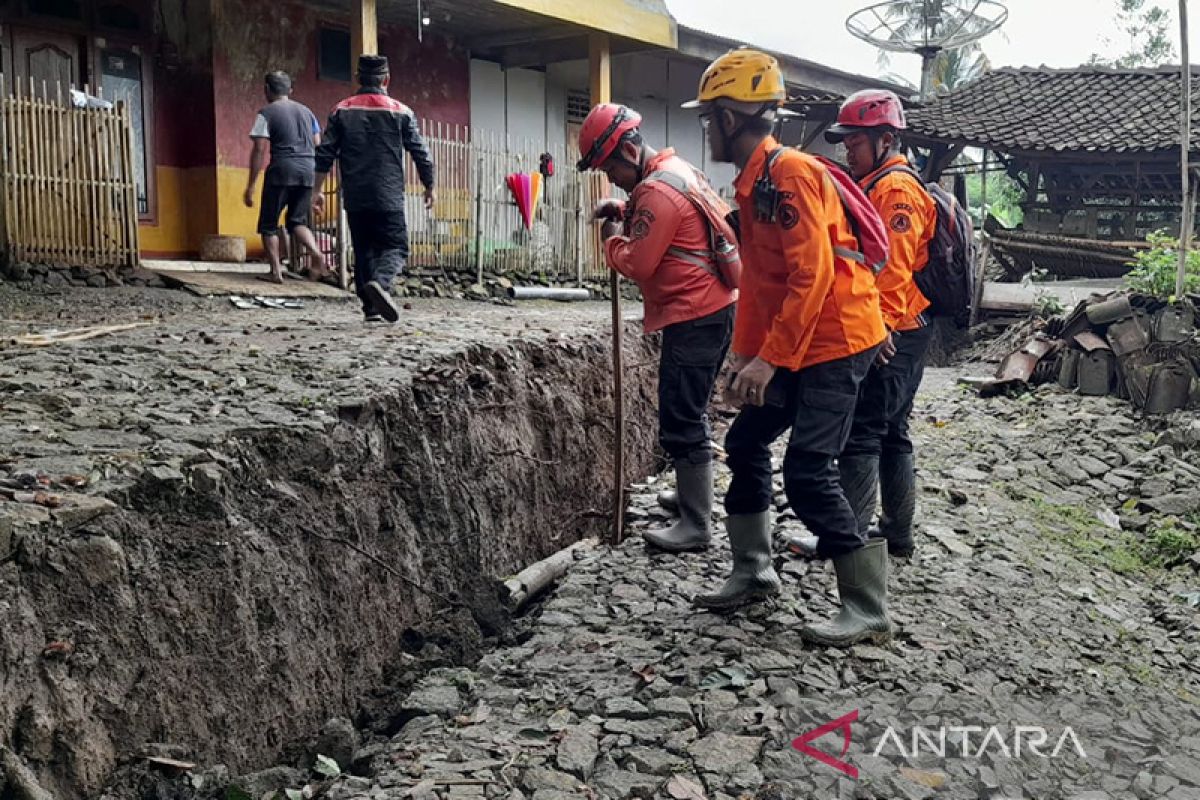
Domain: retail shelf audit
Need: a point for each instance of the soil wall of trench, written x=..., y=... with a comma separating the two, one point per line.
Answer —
x=234, y=612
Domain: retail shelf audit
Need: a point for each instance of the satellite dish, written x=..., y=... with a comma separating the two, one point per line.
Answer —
x=926, y=27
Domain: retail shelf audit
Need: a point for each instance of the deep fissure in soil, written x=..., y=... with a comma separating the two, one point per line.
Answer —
x=231, y=616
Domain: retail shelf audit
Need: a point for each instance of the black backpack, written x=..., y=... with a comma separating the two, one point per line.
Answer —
x=948, y=279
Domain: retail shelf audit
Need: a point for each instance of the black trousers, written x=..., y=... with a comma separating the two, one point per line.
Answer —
x=380, y=240
x=885, y=401
x=692, y=355
x=817, y=405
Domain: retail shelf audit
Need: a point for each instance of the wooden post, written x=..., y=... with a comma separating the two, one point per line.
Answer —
x=980, y=279
x=478, y=211
x=1185, y=141
x=599, y=60
x=983, y=175
x=364, y=31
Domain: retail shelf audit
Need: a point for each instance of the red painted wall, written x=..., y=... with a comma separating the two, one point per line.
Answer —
x=184, y=117
x=433, y=77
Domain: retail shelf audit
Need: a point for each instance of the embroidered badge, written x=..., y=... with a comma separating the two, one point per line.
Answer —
x=788, y=216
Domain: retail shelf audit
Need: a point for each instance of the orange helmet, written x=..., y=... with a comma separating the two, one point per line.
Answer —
x=743, y=76
x=601, y=132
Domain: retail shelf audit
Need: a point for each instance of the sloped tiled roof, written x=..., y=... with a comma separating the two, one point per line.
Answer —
x=1092, y=109
x=809, y=96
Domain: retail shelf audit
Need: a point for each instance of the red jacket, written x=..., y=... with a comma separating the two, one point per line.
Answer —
x=658, y=219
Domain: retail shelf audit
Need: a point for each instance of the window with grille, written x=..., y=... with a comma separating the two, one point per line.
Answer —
x=578, y=106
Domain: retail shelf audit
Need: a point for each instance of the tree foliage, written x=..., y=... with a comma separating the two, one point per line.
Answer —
x=911, y=20
x=1147, y=39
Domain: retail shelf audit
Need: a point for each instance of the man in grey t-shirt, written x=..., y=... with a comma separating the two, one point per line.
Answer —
x=290, y=132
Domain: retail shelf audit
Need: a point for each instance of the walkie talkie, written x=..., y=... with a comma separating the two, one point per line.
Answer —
x=766, y=196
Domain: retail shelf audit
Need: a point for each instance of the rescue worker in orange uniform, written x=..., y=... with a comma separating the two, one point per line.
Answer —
x=808, y=329
x=879, y=453
x=662, y=242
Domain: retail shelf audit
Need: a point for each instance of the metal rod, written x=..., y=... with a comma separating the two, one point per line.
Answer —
x=564, y=293
x=1185, y=227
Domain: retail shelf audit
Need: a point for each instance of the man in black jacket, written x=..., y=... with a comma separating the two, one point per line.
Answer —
x=367, y=135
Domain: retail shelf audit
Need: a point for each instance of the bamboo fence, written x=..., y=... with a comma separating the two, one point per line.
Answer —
x=67, y=186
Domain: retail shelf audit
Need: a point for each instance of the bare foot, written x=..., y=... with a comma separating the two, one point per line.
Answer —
x=274, y=277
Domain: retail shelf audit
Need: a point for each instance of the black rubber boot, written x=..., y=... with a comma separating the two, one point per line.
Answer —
x=898, y=498
x=668, y=500
x=693, y=531
x=753, y=577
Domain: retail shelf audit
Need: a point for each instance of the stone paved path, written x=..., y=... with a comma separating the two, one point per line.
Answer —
x=109, y=409
x=1024, y=609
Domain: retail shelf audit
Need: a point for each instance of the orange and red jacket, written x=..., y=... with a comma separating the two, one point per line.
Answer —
x=800, y=303
x=662, y=230
x=911, y=218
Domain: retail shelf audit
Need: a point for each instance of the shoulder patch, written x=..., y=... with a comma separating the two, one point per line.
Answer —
x=900, y=223
x=789, y=216
x=640, y=227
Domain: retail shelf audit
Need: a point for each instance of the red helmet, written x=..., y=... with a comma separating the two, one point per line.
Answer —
x=602, y=131
x=870, y=108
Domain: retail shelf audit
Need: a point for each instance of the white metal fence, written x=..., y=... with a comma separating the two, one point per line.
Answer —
x=475, y=227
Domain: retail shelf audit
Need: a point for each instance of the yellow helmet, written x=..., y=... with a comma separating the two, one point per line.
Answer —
x=744, y=76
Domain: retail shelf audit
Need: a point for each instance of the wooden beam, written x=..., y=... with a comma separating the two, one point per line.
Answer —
x=600, y=68
x=364, y=30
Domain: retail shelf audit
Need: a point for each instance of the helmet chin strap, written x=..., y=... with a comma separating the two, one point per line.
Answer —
x=879, y=157
x=639, y=166
x=727, y=139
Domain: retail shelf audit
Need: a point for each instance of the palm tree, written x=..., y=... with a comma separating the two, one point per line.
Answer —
x=954, y=68
x=928, y=21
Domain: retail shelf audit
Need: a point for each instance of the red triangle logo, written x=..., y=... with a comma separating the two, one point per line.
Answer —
x=802, y=743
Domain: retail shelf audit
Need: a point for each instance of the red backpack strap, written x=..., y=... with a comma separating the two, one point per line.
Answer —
x=862, y=216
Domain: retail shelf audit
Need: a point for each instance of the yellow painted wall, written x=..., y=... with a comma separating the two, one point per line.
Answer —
x=233, y=218
x=618, y=17
x=186, y=212
x=170, y=233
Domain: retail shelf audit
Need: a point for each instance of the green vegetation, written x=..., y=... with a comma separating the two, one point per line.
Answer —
x=1004, y=196
x=1156, y=269
x=1123, y=552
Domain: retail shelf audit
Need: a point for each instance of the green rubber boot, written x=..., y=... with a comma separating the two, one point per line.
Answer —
x=862, y=586
x=693, y=530
x=753, y=578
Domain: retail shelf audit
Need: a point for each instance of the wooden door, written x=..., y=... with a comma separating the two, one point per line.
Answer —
x=48, y=58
